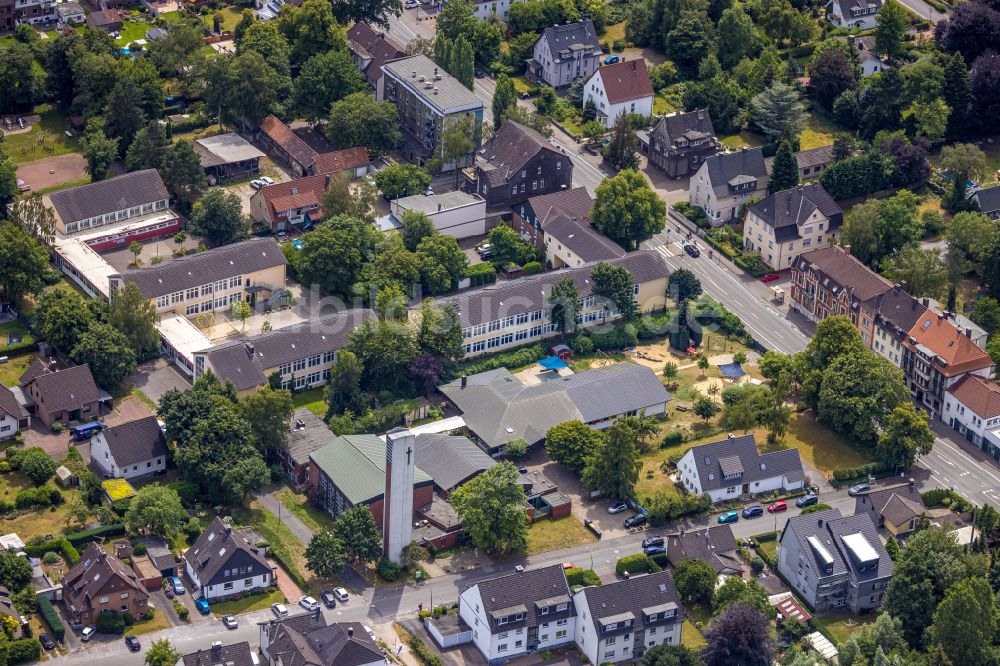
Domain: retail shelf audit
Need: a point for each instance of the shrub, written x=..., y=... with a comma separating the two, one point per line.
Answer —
x=673, y=438
x=51, y=617
x=36, y=464
x=517, y=448
x=756, y=564
x=4, y=466
x=634, y=564
x=619, y=338
x=814, y=508
x=650, y=327
x=532, y=267
x=586, y=577
x=56, y=427
x=480, y=274
x=424, y=653
x=388, y=570
x=50, y=558
x=86, y=536
x=40, y=496
x=110, y=622
x=138, y=548
x=946, y=497
x=182, y=611
x=581, y=344
x=69, y=553
x=665, y=508
x=24, y=651
x=512, y=359
x=850, y=473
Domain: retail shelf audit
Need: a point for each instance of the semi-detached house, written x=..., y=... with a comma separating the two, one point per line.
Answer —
x=223, y=563
x=732, y=467
x=972, y=408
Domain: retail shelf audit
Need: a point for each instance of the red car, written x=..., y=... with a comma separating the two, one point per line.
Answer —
x=777, y=506
x=770, y=277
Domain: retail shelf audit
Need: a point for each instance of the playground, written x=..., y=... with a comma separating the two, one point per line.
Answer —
x=51, y=172
x=47, y=133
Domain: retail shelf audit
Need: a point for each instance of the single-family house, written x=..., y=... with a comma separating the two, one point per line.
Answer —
x=227, y=157
x=988, y=200
x=13, y=416
x=308, y=433
x=108, y=20
x=564, y=53
x=370, y=49
x=785, y=224
x=224, y=563
x=897, y=507
x=70, y=13
x=715, y=545
x=21, y=628
x=235, y=654
x=519, y=613
x=811, y=162
x=724, y=182
x=731, y=468
x=100, y=582
x=498, y=408
x=306, y=639
x=619, y=90
x=835, y=562
x=853, y=13
x=131, y=449
x=291, y=204
x=620, y=621
x=871, y=63
x=62, y=395
x=681, y=141
x=518, y=163
x=972, y=408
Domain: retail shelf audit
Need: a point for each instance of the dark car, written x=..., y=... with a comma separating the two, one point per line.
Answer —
x=806, y=500
x=328, y=599
x=753, y=510
x=692, y=250
x=480, y=73
x=133, y=643
x=635, y=521
x=654, y=550
x=46, y=641
x=652, y=541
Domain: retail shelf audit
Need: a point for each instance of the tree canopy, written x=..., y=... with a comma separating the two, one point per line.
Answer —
x=492, y=510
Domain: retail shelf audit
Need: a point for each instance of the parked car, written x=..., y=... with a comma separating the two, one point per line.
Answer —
x=133, y=643
x=635, y=521
x=771, y=277
x=776, y=507
x=858, y=489
x=483, y=249
x=692, y=250
x=411, y=4
x=652, y=541
x=612, y=59
x=46, y=641
x=728, y=517
x=169, y=591
x=753, y=511
x=87, y=634
x=279, y=610
x=806, y=500
x=654, y=550
x=480, y=73
x=256, y=184
x=230, y=622
x=202, y=605
x=309, y=603
x=267, y=180
x=340, y=593
x=618, y=507
x=328, y=599
x=176, y=583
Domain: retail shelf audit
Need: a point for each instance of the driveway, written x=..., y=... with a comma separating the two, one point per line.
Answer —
x=158, y=376
x=166, y=606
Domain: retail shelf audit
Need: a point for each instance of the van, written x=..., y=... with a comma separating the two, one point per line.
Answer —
x=86, y=430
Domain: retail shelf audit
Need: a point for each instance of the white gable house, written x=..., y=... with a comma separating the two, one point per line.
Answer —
x=732, y=467
x=620, y=90
x=131, y=449
x=223, y=563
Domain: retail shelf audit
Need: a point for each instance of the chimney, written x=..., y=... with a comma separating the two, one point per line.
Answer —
x=846, y=249
x=326, y=181
x=911, y=483
x=701, y=114
x=820, y=521
x=350, y=632
x=217, y=646
x=968, y=333
x=414, y=74
x=465, y=380
x=926, y=302
x=249, y=348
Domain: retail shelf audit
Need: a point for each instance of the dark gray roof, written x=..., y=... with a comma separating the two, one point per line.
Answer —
x=308, y=433
x=808, y=158
x=498, y=408
x=582, y=239
x=989, y=199
x=213, y=549
x=10, y=406
x=786, y=211
x=897, y=503
x=207, y=267
x=715, y=545
x=135, y=441
x=708, y=461
x=640, y=597
x=106, y=196
x=829, y=528
x=63, y=390
x=511, y=297
x=572, y=37
x=450, y=460
x=740, y=165
x=847, y=5
x=519, y=592
x=237, y=654
x=337, y=644
x=690, y=125
x=244, y=361
x=511, y=147
x=898, y=308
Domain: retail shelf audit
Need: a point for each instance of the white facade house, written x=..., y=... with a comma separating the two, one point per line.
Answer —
x=13, y=416
x=620, y=621
x=972, y=408
x=483, y=9
x=730, y=468
x=456, y=214
x=130, y=450
x=519, y=613
x=619, y=90
x=724, y=182
x=785, y=224
x=223, y=563
x=853, y=13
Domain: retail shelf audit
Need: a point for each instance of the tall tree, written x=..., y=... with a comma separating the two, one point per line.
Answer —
x=492, y=510
x=738, y=28
x=690, y=41
x=325, y=555
x=904, y=436
x=360, y=120
x=343, y=390
x=957, y=93
x=570, y=443
x=99, y=151
x=268, y=412
x=135, y=317
x=23, y=262
x=147, y=149
x=182, y=172
x=785, y=171
x=462, y=62
x=311, y=29
x=218, y=216
x=892, y=23
x=965, y=622
x=615, y=283
x=333, y=253
x=324, y=79
x=565, y=306
x=456, y=20
x=858, y=394
x=385, y=349
x=504, y=97
x=156, y=510
x=622, y=149
x=161, y=653
x=613, y=466
x=107, y=352
x=739, y=636
x=627, y=210
x=61, y=316
x=416, y=227
x=683, y=285
x=723, y=98
x=357, y=531
x=778, y=112
x=923, y=271
x=264, y=38
x=665, y=654
x=403, y=180
x=695, y=580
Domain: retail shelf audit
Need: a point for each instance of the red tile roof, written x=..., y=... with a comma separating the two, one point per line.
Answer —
x=958, y=352
x=282, y=135
x=980, y=395
x=341, y=160
x=626, y=81
x=282, y=197
x=362, y=37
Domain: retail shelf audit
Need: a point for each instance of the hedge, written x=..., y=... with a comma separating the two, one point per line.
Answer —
x=512, y=359
x=424, y=653
x=850, y=473
x=24, y=651
x=586, y=577
x=480, y=274
x=635, y=564
x=616, y=340
x=51, y=617
x=86, y=536
x=946, y=497
x=110, y=622
x=61, y=545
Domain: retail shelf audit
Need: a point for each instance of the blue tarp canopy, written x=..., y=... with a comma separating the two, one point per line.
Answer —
x=553, y=363
x=731, y=370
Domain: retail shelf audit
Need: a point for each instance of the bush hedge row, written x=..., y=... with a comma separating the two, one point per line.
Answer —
x=24, y=651
x=480, y=274
x=635, y=564
x=61, y=545
x=51, y=617
x=946, y=497
x=424, y=653
x=86, y=536
x=579, y=576
x=512, y=359
x=850, y=473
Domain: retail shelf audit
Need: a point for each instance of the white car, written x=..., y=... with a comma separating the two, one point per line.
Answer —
x=230, y=622
x=87, y=634
x=340, y=593
x=279, y=610
x=371, y=634
x=309, y=603
x=257, y=184
x=618, y=507
x=267, y=180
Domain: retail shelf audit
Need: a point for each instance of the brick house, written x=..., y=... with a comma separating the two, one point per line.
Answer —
x=518, y=163
x=101, y=582
x=62, y=395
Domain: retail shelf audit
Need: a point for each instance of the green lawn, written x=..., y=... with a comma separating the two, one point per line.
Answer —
x=15, y=329
x=159, y=621
x=545, y=535
x=11, y=371
x=131, y=31
x=742, y=140
x=661, y=106
x=36, y=522
x=770, y=547
x=24, y=147
x=838, y=627
x=230, y=17
x=818, y=445
x=171, y=17
x=691, y=637
x=312, y=517
x=818, y=132
x=249, y=603
x=311, y=400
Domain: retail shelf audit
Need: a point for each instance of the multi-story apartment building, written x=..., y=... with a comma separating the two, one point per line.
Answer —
x=212, y=280
x=301, y=355
x=785, y=224
x=517, y=312
x=35, y=12
x=724, y=182
x=564, y=53
x=681, y=141
x=518, y=163
x=972, y=408
x=429, y=101
x=835, y=562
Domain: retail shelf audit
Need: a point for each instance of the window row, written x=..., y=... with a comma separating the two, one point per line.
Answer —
x=108, y=218
x=218, y=304
x=305, y=363
x=200, y=292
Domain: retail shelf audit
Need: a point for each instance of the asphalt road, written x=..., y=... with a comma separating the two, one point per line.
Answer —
x=924, y=10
